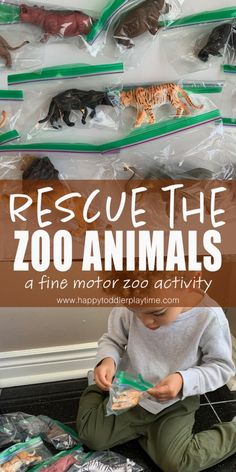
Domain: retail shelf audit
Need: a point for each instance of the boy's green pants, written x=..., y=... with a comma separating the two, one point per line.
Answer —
x=166, y=437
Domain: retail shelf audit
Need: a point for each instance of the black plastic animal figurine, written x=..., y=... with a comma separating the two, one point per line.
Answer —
x=143, y=17
x=216, y=41
x=62, y=104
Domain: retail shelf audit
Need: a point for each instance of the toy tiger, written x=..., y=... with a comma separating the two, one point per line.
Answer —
x=145, y=98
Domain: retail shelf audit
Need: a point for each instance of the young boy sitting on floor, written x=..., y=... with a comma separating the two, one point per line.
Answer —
x=184, y=352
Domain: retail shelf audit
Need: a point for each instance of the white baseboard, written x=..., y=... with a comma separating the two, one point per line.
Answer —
x=49, y=364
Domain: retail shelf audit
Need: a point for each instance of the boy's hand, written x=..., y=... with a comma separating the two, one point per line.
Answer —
x=168, y=388
x=104, y=373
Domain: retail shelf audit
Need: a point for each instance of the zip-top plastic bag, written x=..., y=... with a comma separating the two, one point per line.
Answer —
x=152, y=103
x=63, y=461
x=229, y=96
x=23, y=456
x=20, y=46
x=198, y=41
x=230, y=141
x=107, y=461
x=19, y=426
x=126, y=28
x=126, y=392
x=73, y=98
x=11, y=114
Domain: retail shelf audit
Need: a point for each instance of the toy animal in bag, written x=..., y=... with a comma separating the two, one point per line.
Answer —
x=145, y=98
x=20, y=461
x=5, y=48
x=144, y=17
x=62, y=105
x=216, y=42
x=56, y=22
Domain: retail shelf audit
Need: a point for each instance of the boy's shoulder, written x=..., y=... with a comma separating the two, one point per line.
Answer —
x=213, y=310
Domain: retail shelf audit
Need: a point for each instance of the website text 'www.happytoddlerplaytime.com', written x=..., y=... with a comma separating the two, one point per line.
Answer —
x=110, y=301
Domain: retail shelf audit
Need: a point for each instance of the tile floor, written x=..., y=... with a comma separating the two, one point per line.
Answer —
x=60, y=401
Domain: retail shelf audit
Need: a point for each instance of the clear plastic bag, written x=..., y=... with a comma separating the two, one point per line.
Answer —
x=167, y=100
x=74, y=98
x=20, y=46
x=63, y=461
x=18, y=427
x=126, y=28
x=228, y=108
x=11, y=114
x=23, y=456
x=199, y=41
x=56, y=22
x=107, y=461
x=126, y=392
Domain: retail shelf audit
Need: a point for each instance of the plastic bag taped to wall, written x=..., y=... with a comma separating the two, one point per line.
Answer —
x=126, y=392
x=20, y=46
x=229, y=96
x=190, y=149
x=18, y=427
x=47, y=22
x=158, y=102
x=73, y=98
x=198, y=41
x=126, y=29
x=11, y=114
x=23, y=456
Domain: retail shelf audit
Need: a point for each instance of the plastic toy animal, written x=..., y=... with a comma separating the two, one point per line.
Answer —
x=144, y=17
x=41, y=168
x=56, y=22
x=145, y=98
x=126, y=399
x=215, y=42
x=5, y=48
x=62, y=104
x=20, y=461
x=3, y=119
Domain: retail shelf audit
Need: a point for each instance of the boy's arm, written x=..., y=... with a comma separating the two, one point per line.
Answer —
x=112, y=344
x=216, y=365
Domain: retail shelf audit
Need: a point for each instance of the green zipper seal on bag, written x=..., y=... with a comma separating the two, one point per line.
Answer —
x=194, y=87
x=9, y=13
x=159, y=130
x=133, y=381
x=9, y=136
x=229, y=121
x=65, y=72
x=109, y=11
x=12, y=95
x=205, y=17
x=203, y=89
x=53, y=459
x=149, y=133
x=229, y=69
x=12, y=450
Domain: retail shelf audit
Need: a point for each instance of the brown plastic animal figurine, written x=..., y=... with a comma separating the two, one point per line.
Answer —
x=126, y=399
x=144, y=17
x=56, y=22
x=5, y=48
x=144, y=99
x=19, y=461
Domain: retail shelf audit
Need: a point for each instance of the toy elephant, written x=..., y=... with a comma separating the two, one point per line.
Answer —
x=216, y=42
x=56, y=22
x=144, y=17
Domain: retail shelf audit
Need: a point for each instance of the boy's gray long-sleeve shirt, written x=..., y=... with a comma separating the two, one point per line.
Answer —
x=197, y=344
